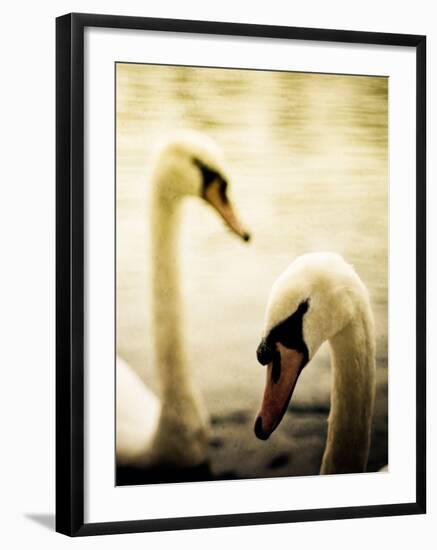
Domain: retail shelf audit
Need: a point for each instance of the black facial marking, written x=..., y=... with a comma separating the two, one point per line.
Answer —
x=289, y=333
x=222, y=190
x=264, y=353
x=209, y=176
x=276, y=367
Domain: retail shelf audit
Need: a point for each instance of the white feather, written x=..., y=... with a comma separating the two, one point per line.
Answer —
x=340, y=312
x=174, y=429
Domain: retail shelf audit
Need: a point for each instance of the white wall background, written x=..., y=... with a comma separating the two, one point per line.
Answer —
x=27, y=124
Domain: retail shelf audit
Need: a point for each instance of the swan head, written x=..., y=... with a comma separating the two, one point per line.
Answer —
x=191, y=164
x=314, y=299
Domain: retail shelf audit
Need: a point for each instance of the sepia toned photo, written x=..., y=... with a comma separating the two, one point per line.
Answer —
x=251, y=274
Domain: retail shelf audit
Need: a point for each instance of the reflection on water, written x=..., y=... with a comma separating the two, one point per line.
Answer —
x=308, y=158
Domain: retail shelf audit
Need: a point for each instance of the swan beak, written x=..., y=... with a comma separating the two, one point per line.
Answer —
x=282, y=374
x=218, y=200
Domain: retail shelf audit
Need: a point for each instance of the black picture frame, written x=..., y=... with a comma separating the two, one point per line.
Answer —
x=70, y=272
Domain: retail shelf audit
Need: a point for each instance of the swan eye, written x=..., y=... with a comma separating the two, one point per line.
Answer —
x=289, y=333
x=209, y=177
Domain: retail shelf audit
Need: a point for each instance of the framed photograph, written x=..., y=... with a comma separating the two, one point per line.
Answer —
x=240, y=274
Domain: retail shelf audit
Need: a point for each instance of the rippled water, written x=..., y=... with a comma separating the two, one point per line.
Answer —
x=308, y=158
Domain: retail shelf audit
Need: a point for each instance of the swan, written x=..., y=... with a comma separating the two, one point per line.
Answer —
x=320, y=297
x=171, y=430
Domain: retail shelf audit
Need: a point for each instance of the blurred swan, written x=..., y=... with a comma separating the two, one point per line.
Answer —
x=172, y=430
x=320, y=297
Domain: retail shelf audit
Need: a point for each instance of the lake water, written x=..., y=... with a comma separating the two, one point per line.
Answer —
x=308, y=160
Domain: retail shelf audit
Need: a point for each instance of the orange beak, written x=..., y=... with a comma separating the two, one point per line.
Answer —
x=282, y=375
x=220, y=202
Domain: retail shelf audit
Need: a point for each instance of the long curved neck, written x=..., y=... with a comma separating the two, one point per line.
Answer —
x=352, y=397
x=167, y=304
x=181, y=436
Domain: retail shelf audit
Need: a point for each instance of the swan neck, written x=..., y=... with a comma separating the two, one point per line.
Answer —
x=181, y=435
x=167, y=302
x=352, y=397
